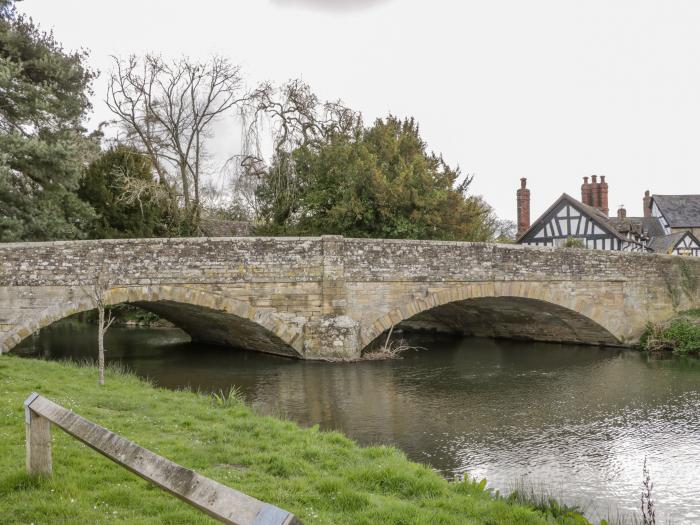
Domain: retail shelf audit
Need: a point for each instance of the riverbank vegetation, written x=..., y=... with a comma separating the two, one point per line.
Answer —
x=323, y=477
x=680, y=335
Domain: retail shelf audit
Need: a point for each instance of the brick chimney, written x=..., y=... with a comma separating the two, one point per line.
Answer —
x=595, y=193
x=622, y=213
x=603, y=191
x=647, y=204
x=586, y=192
x=523, y=207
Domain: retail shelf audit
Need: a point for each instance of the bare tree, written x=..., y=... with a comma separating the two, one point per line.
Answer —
x=166, y=110
x=96, y=293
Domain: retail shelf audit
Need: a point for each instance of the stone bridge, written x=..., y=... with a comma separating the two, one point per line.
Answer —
x=332, y=297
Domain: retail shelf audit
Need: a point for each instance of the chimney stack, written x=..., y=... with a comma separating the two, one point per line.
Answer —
x=622, y=213
x=647, y=204
x=603, y=188
x=523, y=207
x=586, y=192
x=595, y=193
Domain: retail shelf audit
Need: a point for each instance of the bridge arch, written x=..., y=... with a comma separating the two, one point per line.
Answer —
x=226, y=320
x=517, y=310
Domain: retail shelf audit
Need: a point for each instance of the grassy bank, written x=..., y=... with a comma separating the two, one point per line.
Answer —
x=322, y=477
x=680, y=335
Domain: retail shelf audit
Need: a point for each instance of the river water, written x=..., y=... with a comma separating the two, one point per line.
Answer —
x=575, y=421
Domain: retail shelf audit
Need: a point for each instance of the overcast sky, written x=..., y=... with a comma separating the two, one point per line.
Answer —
x=551, y=90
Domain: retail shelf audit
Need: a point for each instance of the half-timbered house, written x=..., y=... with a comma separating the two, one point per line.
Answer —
x=669, y=224
x=569, y=219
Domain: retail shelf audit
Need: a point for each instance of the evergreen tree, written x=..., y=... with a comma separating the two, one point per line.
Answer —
x=44, y=94
x=379, y=181
x=121, y=214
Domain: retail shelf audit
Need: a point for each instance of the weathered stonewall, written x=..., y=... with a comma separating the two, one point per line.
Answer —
x=331, y=297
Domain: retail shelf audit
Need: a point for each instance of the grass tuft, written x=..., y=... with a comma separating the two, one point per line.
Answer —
x=233, y=397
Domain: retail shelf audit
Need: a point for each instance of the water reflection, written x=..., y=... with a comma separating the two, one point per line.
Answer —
x=578, y=420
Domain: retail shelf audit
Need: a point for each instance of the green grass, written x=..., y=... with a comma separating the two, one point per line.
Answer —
x=538, y=497
x=323, y=477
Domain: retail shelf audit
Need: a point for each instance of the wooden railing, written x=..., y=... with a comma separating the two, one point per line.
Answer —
x=219, y=501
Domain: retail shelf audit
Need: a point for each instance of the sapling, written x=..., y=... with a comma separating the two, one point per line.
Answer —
x=104, y=321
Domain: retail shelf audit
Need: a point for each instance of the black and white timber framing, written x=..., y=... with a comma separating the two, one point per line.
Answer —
x=568, y=218
x=656, y=212
x=688, y=245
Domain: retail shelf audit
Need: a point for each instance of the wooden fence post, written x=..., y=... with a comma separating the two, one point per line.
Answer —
x=219, y=501
x=38, y=431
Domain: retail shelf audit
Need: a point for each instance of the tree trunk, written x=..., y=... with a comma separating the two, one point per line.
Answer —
x=185, y=185
x=101, y=344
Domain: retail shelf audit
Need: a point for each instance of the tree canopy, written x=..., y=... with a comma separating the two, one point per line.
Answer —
x=44, y=96
x=377, y=181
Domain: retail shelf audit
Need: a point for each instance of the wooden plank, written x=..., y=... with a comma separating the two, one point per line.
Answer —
x=38, y=441
x=219, y=501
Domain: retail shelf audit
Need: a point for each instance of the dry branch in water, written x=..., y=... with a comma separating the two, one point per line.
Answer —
x=390, y=349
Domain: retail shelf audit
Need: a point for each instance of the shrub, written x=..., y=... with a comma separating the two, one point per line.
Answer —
x=681, y=335
x=573, y=243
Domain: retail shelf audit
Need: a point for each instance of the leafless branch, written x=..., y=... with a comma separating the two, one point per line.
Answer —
x=166, y=110
x=295, y=117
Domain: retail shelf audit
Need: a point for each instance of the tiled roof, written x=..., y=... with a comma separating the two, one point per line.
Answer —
x=680, y=211
x=653, y=226
x=634, y=225
x=650, y=226
x=666, y=243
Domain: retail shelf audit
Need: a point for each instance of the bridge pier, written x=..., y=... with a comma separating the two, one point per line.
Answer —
x=332, y=337
x=334, y=334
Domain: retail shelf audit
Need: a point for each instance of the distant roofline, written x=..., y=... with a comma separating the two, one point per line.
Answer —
x=675, y=195
x=663, y=195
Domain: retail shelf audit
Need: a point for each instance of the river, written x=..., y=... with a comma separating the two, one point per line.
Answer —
x=575, y=421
